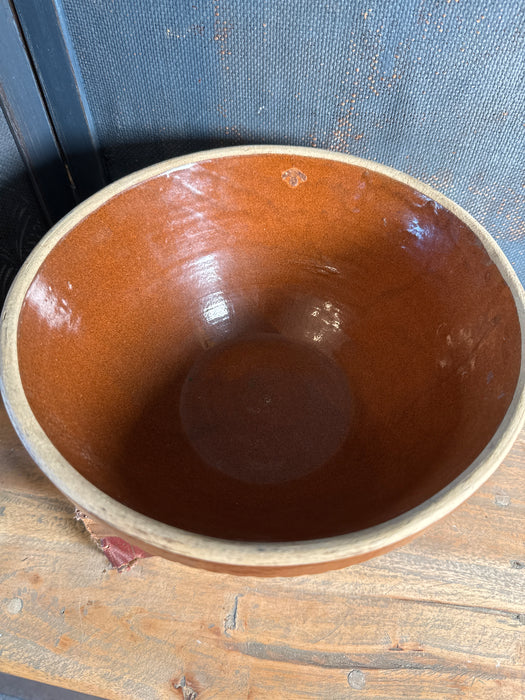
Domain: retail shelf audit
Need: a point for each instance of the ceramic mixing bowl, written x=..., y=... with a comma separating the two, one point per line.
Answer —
x=266, y=360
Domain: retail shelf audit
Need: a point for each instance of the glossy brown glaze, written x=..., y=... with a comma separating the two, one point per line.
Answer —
x=270, y=347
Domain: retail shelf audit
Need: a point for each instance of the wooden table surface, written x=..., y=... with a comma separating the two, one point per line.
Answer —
x=443, y=617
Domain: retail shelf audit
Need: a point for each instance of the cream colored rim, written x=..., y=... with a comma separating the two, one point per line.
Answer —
x=219, y=551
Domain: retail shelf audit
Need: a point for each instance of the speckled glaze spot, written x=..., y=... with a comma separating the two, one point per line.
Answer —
x=293, y=177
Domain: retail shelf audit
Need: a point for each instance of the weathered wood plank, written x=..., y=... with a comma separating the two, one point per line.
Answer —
x=443, y=617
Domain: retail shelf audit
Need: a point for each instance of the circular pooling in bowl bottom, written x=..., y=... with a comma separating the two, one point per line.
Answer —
x=265, y=409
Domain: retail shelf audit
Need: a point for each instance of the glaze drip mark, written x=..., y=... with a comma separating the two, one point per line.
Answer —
x=293, y=177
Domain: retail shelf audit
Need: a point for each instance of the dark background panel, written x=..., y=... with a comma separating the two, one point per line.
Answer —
x=22, y=222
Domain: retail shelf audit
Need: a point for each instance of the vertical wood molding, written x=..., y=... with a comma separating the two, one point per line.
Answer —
x=51, y=50
x=29, y=121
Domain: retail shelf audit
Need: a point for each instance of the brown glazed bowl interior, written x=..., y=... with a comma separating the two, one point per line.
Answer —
x=265, y=359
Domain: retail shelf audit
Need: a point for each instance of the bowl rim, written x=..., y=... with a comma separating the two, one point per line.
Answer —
x=221, y=552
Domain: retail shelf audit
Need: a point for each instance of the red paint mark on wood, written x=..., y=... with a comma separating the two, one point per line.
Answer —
x=120, y=554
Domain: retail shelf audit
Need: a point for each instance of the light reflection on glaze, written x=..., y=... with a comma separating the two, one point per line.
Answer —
x=421, y=227
x=461, y=350
x=191, y=187
x=321, y=268
x=52, y=309
x=215, y=312
x=414, y=228
x=215, y=309
x=205, y=272
x=314, y=321
x=328, y=322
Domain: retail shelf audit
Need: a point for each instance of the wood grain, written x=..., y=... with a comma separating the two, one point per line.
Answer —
x=442, y=617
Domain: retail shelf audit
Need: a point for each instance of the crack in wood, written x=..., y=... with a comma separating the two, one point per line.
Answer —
x=372, y=662
x=230, y=621
x=457, y=606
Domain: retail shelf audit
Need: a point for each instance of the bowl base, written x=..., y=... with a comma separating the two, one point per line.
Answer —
x=266, y=409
